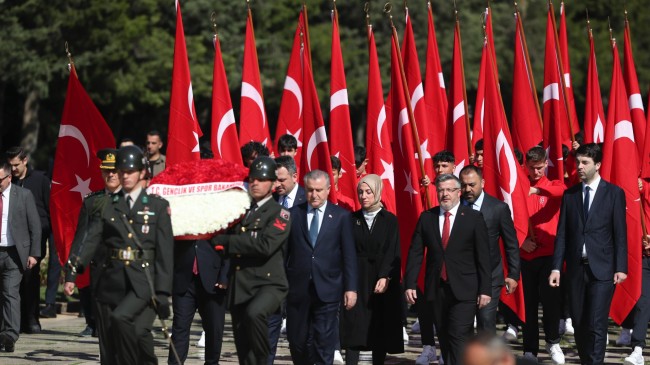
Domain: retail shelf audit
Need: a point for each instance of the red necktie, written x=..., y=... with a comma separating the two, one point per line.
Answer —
x=195, y=267
x=445, y=241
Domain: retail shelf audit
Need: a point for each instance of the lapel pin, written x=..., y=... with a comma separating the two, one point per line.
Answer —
x=329, y=216
x=358, y=222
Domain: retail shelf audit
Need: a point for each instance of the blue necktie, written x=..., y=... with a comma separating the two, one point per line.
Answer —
x=313, y=228
x=585, y=203
x=285, y=201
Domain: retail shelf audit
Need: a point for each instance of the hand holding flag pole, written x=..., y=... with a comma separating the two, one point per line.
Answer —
x=414, y=129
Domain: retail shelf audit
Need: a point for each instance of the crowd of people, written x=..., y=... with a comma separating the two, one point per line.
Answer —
x=327, y=275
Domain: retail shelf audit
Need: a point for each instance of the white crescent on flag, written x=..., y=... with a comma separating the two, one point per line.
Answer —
x=249, y=91
x=339, y=98
x=418, y=94
x=551, y=91
x=319, y=136
x=503, y=145
x=226, y=121
x=403, y=120
x=68, y=130
x=381, y=119
x=624, y=129
x=190, y=100
x=292, y=86
x=599, y=131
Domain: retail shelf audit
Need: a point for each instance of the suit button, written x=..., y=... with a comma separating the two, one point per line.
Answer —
x=237, y=268
x=112, y=219
x=238, y=256
x=130, y=235
x=268, y=274
x=130, y=221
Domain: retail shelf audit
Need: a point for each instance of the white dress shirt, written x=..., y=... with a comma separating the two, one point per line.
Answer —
x=310, y=215
x=291, y=197
x=452, y=218
x=478, y=203
x=5, y=236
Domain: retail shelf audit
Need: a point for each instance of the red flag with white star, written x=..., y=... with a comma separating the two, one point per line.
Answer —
x=224, y=131
x=183, y=131
x=76, y=172
x=416, y=90
x=594, y=112
x=253, y=123
x=504, y=179
x=458, y=122
x=341, y=144
x=633, y=92
x=409, y=203
x=526, y=118
x=435, y=95
x=378, y=147
x=290, y=117
x=555, y=114
x=620, y=166
x=479, y=110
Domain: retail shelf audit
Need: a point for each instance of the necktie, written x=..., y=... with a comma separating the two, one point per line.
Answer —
x=251, y=210
x=195, y=267
x=445, y=241
x=1, y=203
x=585, y=203
x=129, y=201
x=313, y=228
x=285, y=201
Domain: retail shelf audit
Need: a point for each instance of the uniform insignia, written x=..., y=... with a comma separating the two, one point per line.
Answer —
x=285, y=214
x=116, y=198
x=145, y=200
x=279, y=224
x=145, y=228
x=358, y=222
x=146, y=212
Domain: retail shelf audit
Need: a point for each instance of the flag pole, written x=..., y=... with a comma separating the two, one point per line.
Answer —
x=470, y=148
x=561, y=65
x=529, y=67
x=71, y=67
x=366, y=9
x=306, y=40
x=414, y=128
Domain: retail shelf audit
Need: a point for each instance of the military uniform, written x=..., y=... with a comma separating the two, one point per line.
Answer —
x=257, y=278
x=126, y=312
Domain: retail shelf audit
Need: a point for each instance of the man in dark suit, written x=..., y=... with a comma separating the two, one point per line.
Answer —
x=257, y=280
x=592, y=240
x=322, y=271
x=500, y=225
x=200, y=282
x=458, y=270
x=20, y=249
x=134, y=229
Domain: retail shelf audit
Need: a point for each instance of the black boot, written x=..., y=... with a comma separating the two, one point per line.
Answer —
x=49, y=311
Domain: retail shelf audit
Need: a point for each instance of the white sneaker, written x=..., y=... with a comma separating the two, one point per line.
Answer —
x=201, y=342
x=569, y=327
x=283, y=330
x=556, y=353
x=635, y=358
x=510, y=335
x=405, y=335
x=530, y=357
x=338, y=359
x=625, y=339
x=415, y=328
x=427, y=356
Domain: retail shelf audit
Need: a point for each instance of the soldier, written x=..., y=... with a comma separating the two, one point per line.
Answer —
x=257, y=280
x=135, y=277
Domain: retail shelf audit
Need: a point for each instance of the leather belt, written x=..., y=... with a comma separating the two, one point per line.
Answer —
x=130, y=254
x=584, y=261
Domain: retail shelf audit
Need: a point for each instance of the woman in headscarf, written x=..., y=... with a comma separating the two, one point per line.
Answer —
x=374, y=324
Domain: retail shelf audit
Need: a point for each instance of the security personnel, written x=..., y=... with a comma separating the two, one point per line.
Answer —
x=135, y=275
x=112, y=185
x=257, y=280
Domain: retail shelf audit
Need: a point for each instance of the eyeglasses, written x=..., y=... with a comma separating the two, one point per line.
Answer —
x=2, y=178
x=450, y=191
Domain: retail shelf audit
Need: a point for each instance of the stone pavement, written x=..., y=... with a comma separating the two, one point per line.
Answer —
x=58, y=344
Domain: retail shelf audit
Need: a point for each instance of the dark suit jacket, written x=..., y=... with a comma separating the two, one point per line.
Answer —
x=500, y=225
x=604, y=233
x=301, y=197
x=213, y=268
x=24, y=224
x=331, y=265
x=467, y=257
x=39, y=184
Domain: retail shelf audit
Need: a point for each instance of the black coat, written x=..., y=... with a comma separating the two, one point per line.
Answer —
x=375, y=321
x=39, y=185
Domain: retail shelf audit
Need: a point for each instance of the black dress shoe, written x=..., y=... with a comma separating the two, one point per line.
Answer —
x=7, y=342
x=49, y=311
x=33, y=329
x=87, y=332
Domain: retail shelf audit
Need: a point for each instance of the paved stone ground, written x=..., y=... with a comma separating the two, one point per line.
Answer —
x=58, y=344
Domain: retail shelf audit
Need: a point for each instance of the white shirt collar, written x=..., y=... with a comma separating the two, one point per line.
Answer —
x=453, y=210
x=292, y=194
x=321, y=209
x=263, y=201
x=594, y=184
x=6, y=192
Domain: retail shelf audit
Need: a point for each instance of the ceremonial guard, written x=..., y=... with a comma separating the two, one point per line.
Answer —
x=257, y=279
x=135, y=273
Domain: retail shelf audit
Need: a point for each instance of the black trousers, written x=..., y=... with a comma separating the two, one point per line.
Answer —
x=642, y=308
x=30, y=290
x=125, y=331
x=85, y=299
x=454, y=322
x=534, y=274
x=590, y=300
x=352, y=357
x=250, y=327
x=486, y=318
x=213, y=312
x=424, y=308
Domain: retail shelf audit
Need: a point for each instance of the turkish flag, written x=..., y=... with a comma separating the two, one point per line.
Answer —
x=378, y=147
x=566, y=63
x=526, y=118
x=504, y=179
x=555, y=115
x=633, y=92
x=418, y=105
x=184, y=131
x=594, y=112
x=620, y=166
x=224, y=131
x=317, y=153
x=341, y=144
x=409, y=204
x=645, y=157
x=290, y=117
x=458, y=127
x=76, y=172
x=477, y=130
x=435, y=95
x=253, y=124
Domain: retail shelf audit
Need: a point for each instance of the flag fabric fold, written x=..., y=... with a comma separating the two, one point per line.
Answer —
x=458, y=125
x=184, y=130
x=435, y=95
x=566, y=63
x=594, y=112
x=620, y=167
x=635, y=101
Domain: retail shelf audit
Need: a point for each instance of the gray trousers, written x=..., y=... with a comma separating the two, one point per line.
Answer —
x=10, y=277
